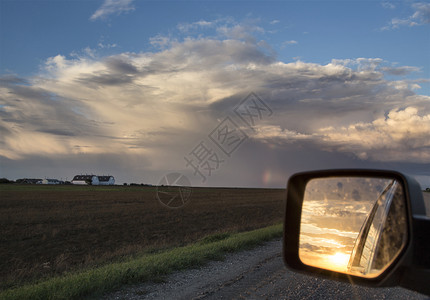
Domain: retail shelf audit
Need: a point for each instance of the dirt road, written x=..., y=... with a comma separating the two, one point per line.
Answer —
x=255, y=274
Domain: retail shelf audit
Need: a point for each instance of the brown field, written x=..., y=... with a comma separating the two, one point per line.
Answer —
x=47, y=230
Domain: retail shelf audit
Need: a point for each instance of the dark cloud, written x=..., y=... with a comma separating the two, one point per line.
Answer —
x=58, y=132
x=5, y=80
x=105, y=79
x=399, y=71
x=121, y=66
x=27, y=107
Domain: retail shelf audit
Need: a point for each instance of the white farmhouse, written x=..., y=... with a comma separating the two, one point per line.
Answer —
x=49, y=181
x=106, y=180
x=93, y=180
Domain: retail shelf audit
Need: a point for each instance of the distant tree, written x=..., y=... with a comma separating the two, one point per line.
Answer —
x=428, y=190
x=125, y=183
x=5, y=180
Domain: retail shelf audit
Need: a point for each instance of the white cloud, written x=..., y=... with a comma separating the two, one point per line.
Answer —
x=362, y=64
x=160, y=41
x=110, y=7
x=240, y=31
x=420, y=16
x=273, y=132
x=376, y=65
x=90, y=52
x=185, y=27
x=388, y=5
x=422, y=12
x=402, y=135
x=287, y=43
x=106, y=46
x=400, y=71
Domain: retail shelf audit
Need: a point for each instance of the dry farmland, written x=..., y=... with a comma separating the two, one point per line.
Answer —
x=47, y=230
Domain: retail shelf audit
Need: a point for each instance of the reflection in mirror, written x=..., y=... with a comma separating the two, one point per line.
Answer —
x=353, y=225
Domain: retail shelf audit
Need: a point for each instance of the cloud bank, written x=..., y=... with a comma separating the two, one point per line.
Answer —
x=402, y=135
x=153, y=107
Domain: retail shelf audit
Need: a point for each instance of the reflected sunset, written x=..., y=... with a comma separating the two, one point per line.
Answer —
x=334, y=210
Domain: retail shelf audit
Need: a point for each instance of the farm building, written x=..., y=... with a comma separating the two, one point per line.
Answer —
x=50, y=181
x=28, y=181
x=93, y=180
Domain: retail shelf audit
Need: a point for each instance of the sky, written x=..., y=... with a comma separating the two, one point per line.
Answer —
x=227, y=93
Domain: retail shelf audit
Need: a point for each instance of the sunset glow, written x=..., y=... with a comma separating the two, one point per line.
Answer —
x=339, y=261
x=334, y=211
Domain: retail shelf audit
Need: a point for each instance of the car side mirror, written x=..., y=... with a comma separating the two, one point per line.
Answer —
x=363, y=226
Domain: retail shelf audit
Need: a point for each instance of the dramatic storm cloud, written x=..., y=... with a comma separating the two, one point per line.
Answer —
x=145, y=111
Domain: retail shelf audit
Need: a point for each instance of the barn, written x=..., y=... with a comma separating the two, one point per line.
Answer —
x=49, y=181
x=106, y=180
x=93, y=180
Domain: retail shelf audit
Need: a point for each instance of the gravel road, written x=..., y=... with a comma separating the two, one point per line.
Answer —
x=254, y=274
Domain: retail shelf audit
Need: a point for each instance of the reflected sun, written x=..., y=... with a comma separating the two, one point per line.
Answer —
x=339, y=261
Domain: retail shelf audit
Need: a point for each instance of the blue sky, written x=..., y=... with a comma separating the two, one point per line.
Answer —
x=74, y=73
x=318, y=31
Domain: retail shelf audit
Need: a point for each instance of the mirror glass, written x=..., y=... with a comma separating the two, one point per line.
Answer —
x=353, y=225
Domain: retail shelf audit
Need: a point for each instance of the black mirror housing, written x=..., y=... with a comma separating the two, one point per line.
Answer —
x=410, y=269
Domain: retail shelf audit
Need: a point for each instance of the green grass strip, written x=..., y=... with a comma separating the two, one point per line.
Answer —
x=96, y=282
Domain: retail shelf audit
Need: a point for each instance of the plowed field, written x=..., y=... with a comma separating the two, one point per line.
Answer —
x=46, y=230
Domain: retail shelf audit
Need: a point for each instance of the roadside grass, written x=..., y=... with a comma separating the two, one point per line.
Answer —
x=148, y=267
